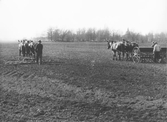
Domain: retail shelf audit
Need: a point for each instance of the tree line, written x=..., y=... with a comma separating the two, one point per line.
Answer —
x=102, y=35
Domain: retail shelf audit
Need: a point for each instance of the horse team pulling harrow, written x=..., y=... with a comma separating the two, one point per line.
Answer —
x=145, y=54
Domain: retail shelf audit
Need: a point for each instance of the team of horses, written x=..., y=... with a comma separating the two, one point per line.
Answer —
x=124, y=47
x=27, y=48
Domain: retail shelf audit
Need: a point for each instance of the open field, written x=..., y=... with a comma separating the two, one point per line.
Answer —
x=148, y=44
x=79, y=82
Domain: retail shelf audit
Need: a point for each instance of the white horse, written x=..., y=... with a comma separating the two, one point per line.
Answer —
x=116, y=47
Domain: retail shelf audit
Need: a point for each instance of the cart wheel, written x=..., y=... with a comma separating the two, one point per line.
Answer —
x=136, y=59
x=136, y=55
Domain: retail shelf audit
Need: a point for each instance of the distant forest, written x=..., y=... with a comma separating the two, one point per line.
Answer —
x=102, y=35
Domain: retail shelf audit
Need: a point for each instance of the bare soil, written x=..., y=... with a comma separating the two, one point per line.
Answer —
x=79, y=82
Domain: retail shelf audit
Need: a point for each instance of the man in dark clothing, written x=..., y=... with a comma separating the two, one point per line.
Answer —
x=39, y=49
x=28, y=48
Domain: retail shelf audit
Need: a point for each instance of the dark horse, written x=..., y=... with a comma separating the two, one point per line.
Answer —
x=124, y=47
x=129, y=48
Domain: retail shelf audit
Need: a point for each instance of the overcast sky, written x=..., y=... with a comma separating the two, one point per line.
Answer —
x=28, y=18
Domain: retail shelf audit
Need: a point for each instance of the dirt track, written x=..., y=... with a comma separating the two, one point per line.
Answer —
x=82, y=84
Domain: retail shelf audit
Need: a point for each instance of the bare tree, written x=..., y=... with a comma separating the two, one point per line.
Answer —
x=50, y=34
x=102, y=35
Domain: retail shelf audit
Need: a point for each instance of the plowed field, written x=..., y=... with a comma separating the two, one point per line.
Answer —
x=80, y=82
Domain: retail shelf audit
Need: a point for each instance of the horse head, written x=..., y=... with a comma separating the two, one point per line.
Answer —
x=135, y=44
x=109, y=44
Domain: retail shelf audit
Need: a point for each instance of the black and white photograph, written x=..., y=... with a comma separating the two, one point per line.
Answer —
x=83, y=60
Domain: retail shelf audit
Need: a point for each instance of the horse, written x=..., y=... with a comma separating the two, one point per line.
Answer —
x=33, y=46
x=117, y=47
x=124, y=47
x=129, y=46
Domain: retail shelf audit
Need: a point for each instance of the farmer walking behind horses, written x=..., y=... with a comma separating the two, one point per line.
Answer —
x=39, y=49
x=156, y=52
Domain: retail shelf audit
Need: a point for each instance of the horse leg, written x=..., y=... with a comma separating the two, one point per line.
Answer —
x=114, y=56
x=123, y=54
x=119, y=54
x=127, y=56
x=130, y=57
x=113, y=52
